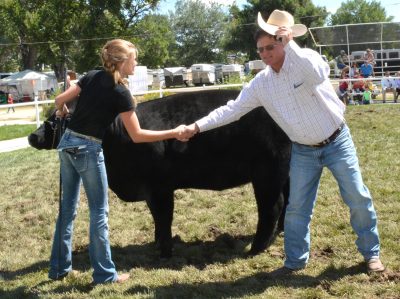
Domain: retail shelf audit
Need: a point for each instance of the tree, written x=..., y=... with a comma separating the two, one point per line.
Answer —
x=56, y=32
x=243, y=22
x=359, y=11
x=9, y=61
x=58, y=23
x=154, y=40
x=199, y=30
x=19, y=24
x=105, y=19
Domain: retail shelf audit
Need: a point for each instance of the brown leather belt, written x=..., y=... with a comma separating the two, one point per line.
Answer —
x=330, y=138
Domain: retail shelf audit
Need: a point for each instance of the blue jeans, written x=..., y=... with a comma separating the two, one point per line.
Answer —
x=306, y=167
x=86, y=165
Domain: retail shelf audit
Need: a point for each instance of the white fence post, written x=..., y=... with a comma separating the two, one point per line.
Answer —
x=161, y=93
x=37, y=110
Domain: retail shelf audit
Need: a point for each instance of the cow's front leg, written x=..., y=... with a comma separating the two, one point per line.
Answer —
x=161, y=205
x=269, y=193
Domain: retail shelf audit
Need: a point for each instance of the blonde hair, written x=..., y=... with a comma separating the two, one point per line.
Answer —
x=115, y=52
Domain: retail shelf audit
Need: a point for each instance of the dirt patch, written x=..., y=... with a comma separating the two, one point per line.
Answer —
x=22, y=115
x=387, y=275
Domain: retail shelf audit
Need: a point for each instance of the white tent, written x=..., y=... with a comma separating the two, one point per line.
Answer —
x=29, y=83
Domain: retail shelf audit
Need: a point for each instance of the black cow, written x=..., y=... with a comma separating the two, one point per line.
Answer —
x=253, y=149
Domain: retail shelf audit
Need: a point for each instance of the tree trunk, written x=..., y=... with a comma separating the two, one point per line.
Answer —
x=29, y=55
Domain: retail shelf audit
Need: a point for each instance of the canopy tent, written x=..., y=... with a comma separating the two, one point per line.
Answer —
x=29, y=83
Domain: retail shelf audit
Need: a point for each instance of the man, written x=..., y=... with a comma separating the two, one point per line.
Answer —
x=397, y=82
x=296, y=91
x=366, y=70
x=342, y=61
x=388, y=84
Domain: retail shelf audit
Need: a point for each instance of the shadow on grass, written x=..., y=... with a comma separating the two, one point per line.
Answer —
x=247, y=286
x=11, y=275
x=251, y=285
x=36, y=292
x=198, y=254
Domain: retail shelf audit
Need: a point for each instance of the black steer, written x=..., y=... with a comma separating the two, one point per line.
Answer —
x=253, y=149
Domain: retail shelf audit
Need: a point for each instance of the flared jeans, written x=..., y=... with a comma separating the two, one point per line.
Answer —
x=82, y=160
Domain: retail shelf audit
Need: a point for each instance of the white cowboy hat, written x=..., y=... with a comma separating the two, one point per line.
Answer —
x=280, y=18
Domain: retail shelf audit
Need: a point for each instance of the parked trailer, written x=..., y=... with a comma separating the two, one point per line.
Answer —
x=233, y=70
x=187, y=76
x=203, y=74
x=177, y=76
x=256, y=65
x=219, y=77
x=158, y=78
x=138, y=82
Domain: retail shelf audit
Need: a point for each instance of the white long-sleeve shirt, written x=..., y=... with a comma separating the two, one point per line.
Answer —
x=388, y=82
x=300, y=98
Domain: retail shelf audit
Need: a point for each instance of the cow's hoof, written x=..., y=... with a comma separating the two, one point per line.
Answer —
x=256, y=250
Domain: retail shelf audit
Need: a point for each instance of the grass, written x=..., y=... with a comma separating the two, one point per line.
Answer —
x=214, y=230
x=15, y=131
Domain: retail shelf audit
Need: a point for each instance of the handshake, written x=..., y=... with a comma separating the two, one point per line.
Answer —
x=184, y=133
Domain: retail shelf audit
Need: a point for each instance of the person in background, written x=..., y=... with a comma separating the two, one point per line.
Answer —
x=342, y=61
x=397, y=84
x=388, y=84
x=10, y=101
x=353, y=69
x=343, y=89
x=369, y=57
x=367, y=70
x=296, y=91
x=103, y=95
x=357, y=87
x=367, y=96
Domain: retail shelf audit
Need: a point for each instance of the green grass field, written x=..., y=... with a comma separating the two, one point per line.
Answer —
x=15, y=131
x=214, y=231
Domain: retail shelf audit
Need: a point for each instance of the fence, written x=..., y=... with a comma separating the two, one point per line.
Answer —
x=374, y=85
x=161, y=92
x=382, y=38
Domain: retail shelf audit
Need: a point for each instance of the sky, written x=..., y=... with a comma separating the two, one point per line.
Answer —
x=392, y=6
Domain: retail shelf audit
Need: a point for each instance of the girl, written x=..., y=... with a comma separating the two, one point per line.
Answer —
x=102, y=96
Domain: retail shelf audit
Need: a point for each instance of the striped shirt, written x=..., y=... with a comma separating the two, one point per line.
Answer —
x=300, y=98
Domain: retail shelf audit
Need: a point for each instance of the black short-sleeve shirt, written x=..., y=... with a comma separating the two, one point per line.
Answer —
x=100, y=101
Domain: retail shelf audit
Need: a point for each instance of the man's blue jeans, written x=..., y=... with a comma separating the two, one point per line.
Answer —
x=306, y=167
x=86, y=165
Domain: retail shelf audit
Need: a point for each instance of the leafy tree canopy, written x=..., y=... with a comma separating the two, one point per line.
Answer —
x=359, y=11
x=53, y=32
x=199, y=30
x=154, y=41
x=243, y=22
